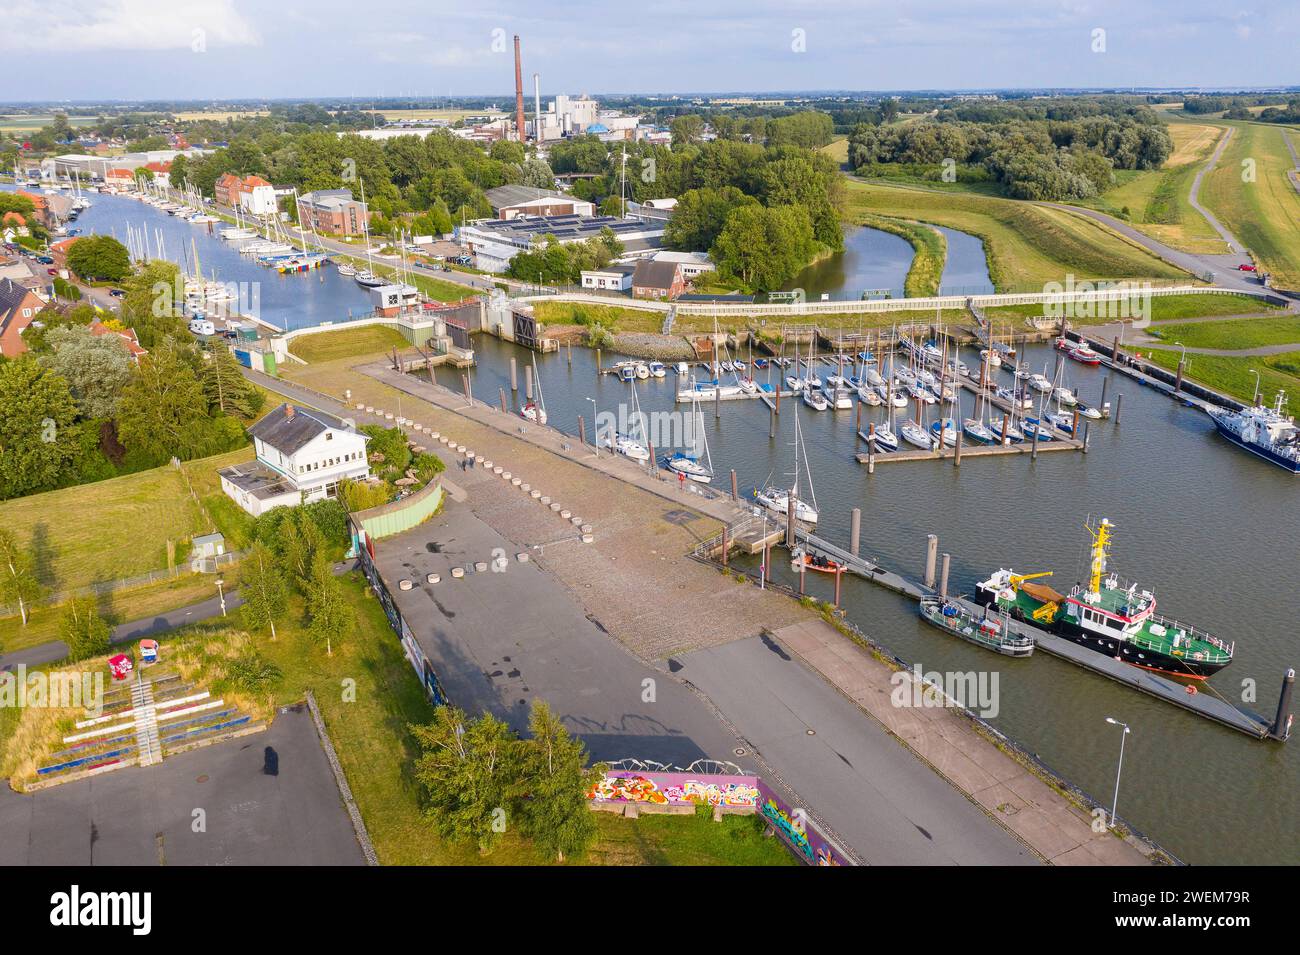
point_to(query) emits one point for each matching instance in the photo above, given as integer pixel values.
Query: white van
(201, 326)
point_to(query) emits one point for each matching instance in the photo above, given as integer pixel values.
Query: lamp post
(1255, 398)
(222, 594)
(1119, 768)
(595, 430)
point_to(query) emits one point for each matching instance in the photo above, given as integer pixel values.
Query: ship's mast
(1100, 541)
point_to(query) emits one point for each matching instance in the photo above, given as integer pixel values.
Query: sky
(228, 49)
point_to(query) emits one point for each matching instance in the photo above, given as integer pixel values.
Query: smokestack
(537, 107)
(519, 93)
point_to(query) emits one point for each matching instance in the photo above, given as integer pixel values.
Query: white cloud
(86, 25)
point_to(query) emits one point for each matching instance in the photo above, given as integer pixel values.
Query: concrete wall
(398, 516)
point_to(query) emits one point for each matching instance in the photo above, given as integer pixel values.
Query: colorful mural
(797, 830)
(676, 789)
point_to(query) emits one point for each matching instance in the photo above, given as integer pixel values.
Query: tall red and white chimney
(519, 93)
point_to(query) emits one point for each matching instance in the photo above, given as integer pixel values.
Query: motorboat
(1065, 396)
(657, 369)
(1040, 383)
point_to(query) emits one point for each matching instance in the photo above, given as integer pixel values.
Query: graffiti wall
(677, 789)
(742, 792)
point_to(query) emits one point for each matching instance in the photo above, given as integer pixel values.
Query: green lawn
(116, 528)
(1264, 213)
(1027, 245)
(1163, 308)
(1233, 335)
(687, 840)
(345, 343)
(614, 317)
(1234, 376)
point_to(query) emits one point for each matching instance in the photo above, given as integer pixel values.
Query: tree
(536, 173)
(328, 612)
(687, 130)
(262, 585)
(38, 442)
(764, 248)
(227, 390)
(84, 631)
(163, 411)
(18, 583)
(96, 368)
(466, 771)
(99, 257)
(552, 785)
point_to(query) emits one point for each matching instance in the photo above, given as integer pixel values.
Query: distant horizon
(131, 51)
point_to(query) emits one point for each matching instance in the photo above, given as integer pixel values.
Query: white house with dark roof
(302, 455)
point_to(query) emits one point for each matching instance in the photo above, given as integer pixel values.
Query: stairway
(146, 722)
(668, 319)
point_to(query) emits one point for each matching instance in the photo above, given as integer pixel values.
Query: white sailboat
(535, 410)
(689, 465)
(633, 444)
(778, 500)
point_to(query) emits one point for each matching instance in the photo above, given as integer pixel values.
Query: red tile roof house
(18, 306)
(161, 171)
(657, 280)
(119, 178)
(227, 189)
(42, 208)
(98, 328)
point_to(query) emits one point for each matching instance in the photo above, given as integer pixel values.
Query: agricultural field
(1028, 245)
(1156, 201)
(219, 115)
(1263, 214)
(24, 122)
(451, 115)
(117, 528)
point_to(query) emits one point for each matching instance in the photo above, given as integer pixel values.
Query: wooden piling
(1033, 445)
(855, 530)
(514, 376)
(956, 451)
(734, 493)
(943, 576)
(1119, 403)
(771, 420)
(931, 555)
(582, 430)
(503, 399)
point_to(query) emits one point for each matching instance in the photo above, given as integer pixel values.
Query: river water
(1209, 529)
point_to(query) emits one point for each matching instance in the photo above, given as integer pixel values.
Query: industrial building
(494, 242)
(510, 202)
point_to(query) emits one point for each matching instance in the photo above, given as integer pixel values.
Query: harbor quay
(639, 593)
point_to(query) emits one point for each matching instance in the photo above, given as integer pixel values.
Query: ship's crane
(1018, 579)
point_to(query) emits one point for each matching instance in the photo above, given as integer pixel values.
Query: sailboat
(535, 411)
(778, 499)
(689, 465)
(975, 427)
(367, 277)
(631, 445)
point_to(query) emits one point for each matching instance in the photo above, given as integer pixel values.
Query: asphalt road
(892, 808)
(57, 650)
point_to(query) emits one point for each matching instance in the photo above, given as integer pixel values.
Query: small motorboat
(794, 384)
(1040, 382)
(747, 386)
(628, 447)
(627, 373)
(992, 633)
(869, 398)
(345, 269)
(1088, 411)
(1065, 396)
(991, 356)
(657, 369)
(823, 565)
(841, 397)
(728, 365)
(682, 368)
(760, 363)
(642, 372)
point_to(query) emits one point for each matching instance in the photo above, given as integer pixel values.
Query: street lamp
(595, 438)
(1119, 768)
(222, 593)
(1255, 398)
(1183, 357)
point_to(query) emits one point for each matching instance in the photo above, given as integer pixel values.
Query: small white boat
(690, 467)
(976, 429)
(814, 399)
(991, 356)
(727, 365)
(657, 369)
(1088, 411)
(345, 269)
(945, 430)
(898, 400)
(682, 368)
(1034, 427)
(913, 433)
(842, 397)
(1065, 396)
(885, 439)
(919, 392)
(873, 377)
(642, 372)
(533, 412)
(794, 384)
(1015, 398)
(747, 386)
(869, 398)
(1040, 383)
(628, 447)
(777, 500)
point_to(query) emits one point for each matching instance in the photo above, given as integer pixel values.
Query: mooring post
(464, 380)
(1114, 356)
(1087, 435)
(717, 396)
(1178, 379)
(570, 354)
(1281, 728)
(1074, 428)
(528, 382)
(725, 542)
(1006, 419)
(763, 572)
(857, 424)
(503, 399)
(943, 576)
(1101, 406)
(789, 521)
(956, 451)
(839, 573)
(803, 572)
(598, 369)
(1119, 403)
(771, 420)
(855, 531)
(653, 462)
(582, 430)
(1033, 445)
(931, 555)
(514, 376)
(734, 493)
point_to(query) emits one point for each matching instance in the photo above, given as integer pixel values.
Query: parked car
(45, 260)
(1245, 267)
(52, 271)
(464, 260)
(117, 292)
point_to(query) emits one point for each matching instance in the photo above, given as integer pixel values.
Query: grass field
(329, 346)
(1265, 213)
(18, 122)
(1027, 245)
(1235, 376)
(1233, 335)
(1156, 201)
(1163, 308)
(838, 149)
(613, 317)
(115, 528)
(219, 115)
(451, 115)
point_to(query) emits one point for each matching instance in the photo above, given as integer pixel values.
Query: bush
(427, 466)
(360, 495)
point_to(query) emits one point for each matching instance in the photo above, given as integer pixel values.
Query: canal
(1210, 530)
